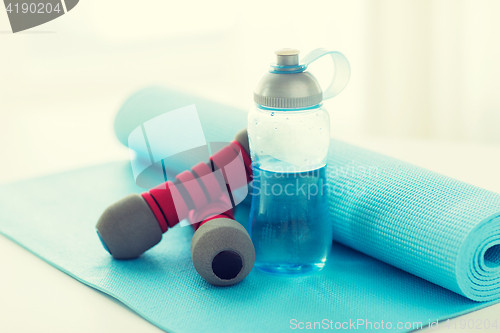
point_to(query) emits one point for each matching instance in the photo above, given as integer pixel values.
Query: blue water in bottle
(290, 222)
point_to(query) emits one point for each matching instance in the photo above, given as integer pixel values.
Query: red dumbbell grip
(196, 189)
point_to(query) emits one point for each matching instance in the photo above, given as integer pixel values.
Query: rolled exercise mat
(435, 227)
(54, 218)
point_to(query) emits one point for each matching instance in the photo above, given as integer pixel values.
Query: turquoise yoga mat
(411, 246)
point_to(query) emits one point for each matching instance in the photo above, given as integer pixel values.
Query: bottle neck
(267, 108)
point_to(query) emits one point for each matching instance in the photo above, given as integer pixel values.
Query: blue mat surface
(410, 244)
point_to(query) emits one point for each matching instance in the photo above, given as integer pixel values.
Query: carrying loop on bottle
(342, 70)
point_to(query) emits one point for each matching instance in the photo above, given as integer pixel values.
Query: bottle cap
(289, 86)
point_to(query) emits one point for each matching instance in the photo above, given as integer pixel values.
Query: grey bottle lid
(287, 85)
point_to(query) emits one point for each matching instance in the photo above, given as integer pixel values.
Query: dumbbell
(221, 249)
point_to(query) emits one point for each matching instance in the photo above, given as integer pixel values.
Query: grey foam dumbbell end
(128, 228)
(242, 138)
(222, 252)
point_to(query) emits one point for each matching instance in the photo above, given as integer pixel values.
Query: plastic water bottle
(289, 134)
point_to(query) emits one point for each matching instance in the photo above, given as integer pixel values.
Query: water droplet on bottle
(276, 128)
(272, 114)
(286, 118)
